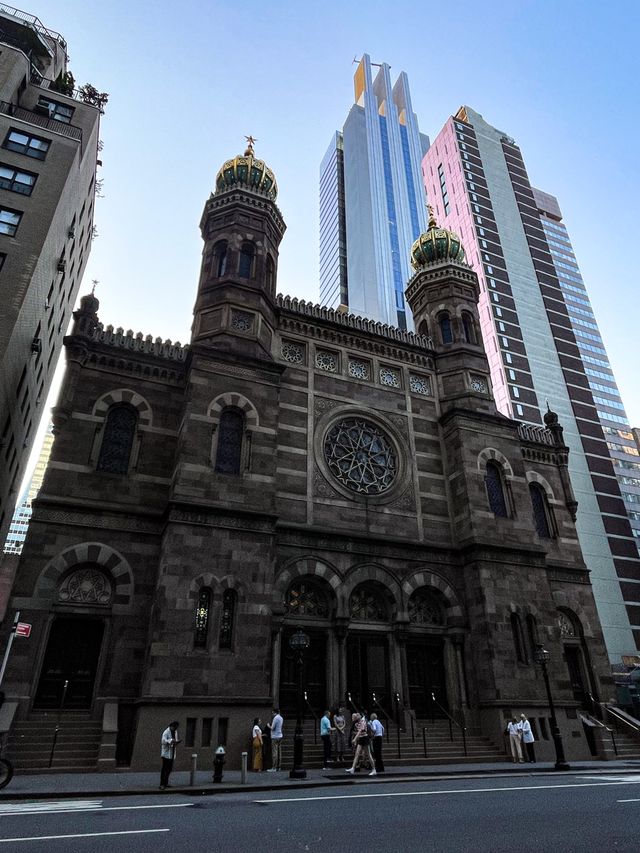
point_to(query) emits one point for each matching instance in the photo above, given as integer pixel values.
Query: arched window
(201, 629)
(245, 264)
(495, 490)
(444, 321)
(368, 603)
(518, 638)
(305, 598)
(230, 434)
(227, 618)
(424, 608)
(468, 327)
(423, 328)
(532, 631)
(271, 273)
(220, 258)
(540, 510)
(117, 440)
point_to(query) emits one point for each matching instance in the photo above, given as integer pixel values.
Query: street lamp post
(299, 643)
(542, 657)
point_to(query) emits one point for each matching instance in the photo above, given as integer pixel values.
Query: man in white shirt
(378, 733)
(168, 752)
(276, 741)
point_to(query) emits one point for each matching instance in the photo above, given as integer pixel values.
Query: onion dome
(247, 171)
(436, 244)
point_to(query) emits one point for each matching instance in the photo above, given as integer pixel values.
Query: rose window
(85, 586)
(358, 369)
(424, 609)
(292, 352)
(420, 385)
(367, 604)
(360, 456)
(305, 599)
(389, 377)
(326, 361)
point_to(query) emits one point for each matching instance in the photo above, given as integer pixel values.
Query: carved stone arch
(490, 454)
(427, 578)
(114, 565)
(534, 477)
(364, 572)
(124, 395)
(298, 567)
(232, 399)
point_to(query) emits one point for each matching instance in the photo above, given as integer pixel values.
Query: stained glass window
(305, 599)
(202, 618)
(567, 628)
(360, 456)
(227, 619)
(495, 491)
(424, 609)
(230, 434)
(367, 604)
(117, 440)
(538, 501)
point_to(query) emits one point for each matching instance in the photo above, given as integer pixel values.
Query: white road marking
(63, 808)
(509, 789)
(50, 806)
(629, 801)
(80, 835)
(630, 777)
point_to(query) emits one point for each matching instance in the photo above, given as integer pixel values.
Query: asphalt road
(521, 813)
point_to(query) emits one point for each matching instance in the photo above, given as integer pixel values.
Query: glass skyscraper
(372, 204)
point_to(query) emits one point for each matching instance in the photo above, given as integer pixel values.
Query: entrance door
(425, 671)
(368, 670)
(72, 655)
(314, 673)
(573, 656)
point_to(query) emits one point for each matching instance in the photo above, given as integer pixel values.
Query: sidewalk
(125, 782)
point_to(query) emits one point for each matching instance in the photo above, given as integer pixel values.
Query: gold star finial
(250, 142)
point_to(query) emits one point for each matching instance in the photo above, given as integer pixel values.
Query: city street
(577, 812)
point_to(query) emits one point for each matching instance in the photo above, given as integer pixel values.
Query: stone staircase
(441, 749)
(77, 745)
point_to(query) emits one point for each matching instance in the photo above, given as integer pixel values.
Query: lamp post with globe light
(298, 643)
(542, 658)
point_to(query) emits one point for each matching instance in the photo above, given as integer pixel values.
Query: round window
(360, 456)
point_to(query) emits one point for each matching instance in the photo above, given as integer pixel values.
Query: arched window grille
(424, 608)
(271, 273)
(445, 328)
(367, 603)
(245, 264)
(227, 619)
(230, 435)
(518, 639)
(495, 490)
(117, 440)
(540, 511)
(304, 598)
(469, 328)
(220, 258)
(203, 610)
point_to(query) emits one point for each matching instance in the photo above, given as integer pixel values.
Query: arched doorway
(426, 673)
(72, 655)
(370, 609)
(580, 676)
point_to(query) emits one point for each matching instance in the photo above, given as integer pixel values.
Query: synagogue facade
(296, 467)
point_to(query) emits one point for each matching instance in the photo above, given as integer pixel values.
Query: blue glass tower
(372, 202)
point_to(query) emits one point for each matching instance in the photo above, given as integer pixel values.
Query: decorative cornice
(121, 340)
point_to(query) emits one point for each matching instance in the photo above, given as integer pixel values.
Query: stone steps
(76, 746)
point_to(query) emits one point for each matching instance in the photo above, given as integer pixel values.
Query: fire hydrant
(218, 763)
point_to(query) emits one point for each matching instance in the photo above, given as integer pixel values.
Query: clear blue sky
(188, 80)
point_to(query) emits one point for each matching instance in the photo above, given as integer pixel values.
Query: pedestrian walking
(325, 734)
(168, 752)
(276, 741)
(515, 740)
(361, 743)
(339, 725)
(528, 738)
(377, 729)
(256, 739)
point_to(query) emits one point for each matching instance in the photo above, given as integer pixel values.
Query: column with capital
(340, 632)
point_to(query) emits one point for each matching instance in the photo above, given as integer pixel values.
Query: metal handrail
(31, 117)
(599, 724)
(633, 727)
(461, 726)
(424, 740)
(386, 715)
(349, 701)
(316, 719)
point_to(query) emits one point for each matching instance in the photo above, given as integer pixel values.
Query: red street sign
(23, 629)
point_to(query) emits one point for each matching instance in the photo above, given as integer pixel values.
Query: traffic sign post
(23, 629)
(12, 635)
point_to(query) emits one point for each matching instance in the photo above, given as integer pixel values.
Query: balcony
(33, 118)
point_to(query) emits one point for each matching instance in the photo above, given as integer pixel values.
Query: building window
(445, 328)
(117, 441)
(540, 511)
(55, 110)
(9, 221)
(367, 603)
(271, 273)
(305, 598)
(227, 619)
(230, 434)
(25, 143)
(201, 629)
(532, 630)
(3, 257)
(469, 328)
(220, 258)
(425, 608)
(495, 490)
(16, 181)
(245, 264)
(518, 638)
